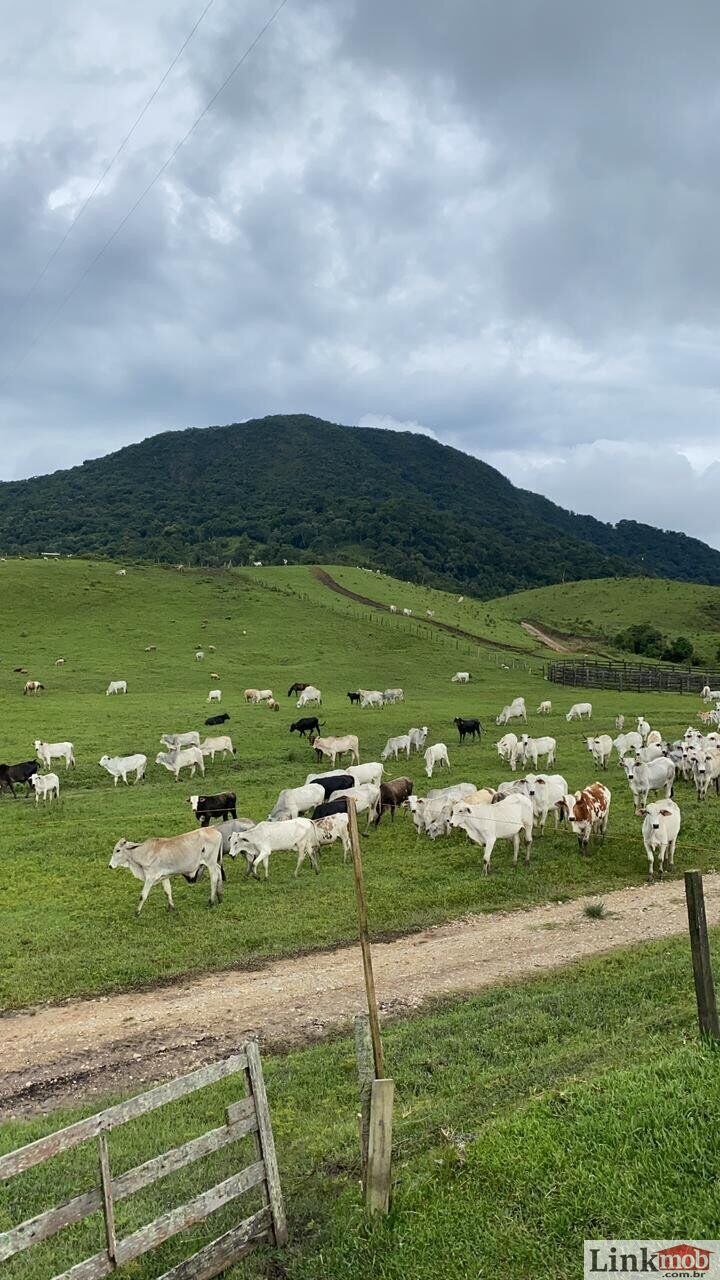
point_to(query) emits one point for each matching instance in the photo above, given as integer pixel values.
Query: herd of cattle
(317, 811)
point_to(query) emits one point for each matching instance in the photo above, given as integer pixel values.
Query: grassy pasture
(526, 1118)
(68, 924)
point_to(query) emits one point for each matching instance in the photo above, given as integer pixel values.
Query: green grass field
(68, 923)
(527, 1118)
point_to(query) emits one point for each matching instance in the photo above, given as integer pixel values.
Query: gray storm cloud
(494, 222)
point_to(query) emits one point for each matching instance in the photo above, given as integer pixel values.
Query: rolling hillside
(304, 490)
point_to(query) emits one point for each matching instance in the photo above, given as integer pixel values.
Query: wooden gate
(250, 1115)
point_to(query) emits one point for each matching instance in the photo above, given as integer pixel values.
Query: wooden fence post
(700, 948)
(366, 1075)
(377, 1196)
(107, 1197)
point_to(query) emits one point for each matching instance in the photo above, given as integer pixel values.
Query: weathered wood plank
(377, 1194)
(126, 1184)
(700, 949)
(64, 1139)
(227, 1249)
(168, 1225)
(107, 1196)
(366, 1075)
(267, 1143)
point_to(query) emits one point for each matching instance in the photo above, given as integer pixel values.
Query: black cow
(308, 724)
(354, 697)
(18, 773)
(471, 728)
(297, 687)
(218, 719)
(330, 807)
(338, 782)
(206, 807)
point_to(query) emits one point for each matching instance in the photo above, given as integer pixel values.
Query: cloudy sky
(495, 222)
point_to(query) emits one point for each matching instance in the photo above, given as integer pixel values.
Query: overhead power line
(146, 190)
(114, 157)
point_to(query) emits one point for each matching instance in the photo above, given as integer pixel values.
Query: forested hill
(298, 488)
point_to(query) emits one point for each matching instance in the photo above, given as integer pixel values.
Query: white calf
(297, 835)
(215, 695)
(188, 758)
(116, 686)
(393, 745)
(660, 829)
(600, 749)
(210, 746)
(578, 710)
(545, 708)
(436, 755)
(120, 766)
(460, 677)
(46, 785)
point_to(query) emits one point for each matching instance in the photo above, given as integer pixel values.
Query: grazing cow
(545, 708)
(334, 826)
(174, 740)
(460, 677)
(507, 819)
(211, 746)
(627, 742)
(508, 749)
(223, 805)
(516, 710)
(430, 613)
(272, 705)
(393, 695)
(331, 782)
(59, 662)
(187, 758)
(544, 790)
(121, 573)
(297, 687)
(620, 723)
(17, 773)
(308, 724)
(150, 648)
(407, 613)
(587, 812)
(394, 745)
(153, 861)
(214, 695)
(116, 686)
(600, 748)
(49, 751)
(46, 785)
(33, 687)
(468, 728)
(530, 748)
(393, 608)
(392, 795)
(309, 695)
(354, 697)
(417, 738)
(333, 747)
(296, 834)
(219, 719)
(436, 755)
(657, 775)
(199, 655)
(296, 800)
(371, 698)
(120, 766)
(660, 829)
(579, 710)
(709, 695)
(358, 772)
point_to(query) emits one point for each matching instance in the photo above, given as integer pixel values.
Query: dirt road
(89, 1048)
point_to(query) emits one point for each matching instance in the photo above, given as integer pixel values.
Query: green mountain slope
(298, 488)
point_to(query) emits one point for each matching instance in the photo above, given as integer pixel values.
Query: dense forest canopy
(301, 489)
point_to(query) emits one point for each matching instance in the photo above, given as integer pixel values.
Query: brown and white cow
(587, 812)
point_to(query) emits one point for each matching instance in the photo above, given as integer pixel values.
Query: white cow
(544, 790)
(506, 820)
(371, 698)
(710, 695)
(365, 795)
(508, 749)
(46, 785)
(393, 745)
(648, 753)
(174, 740)
(515, 710)
(154, 861)
(600, 748)
(393, 608)
(438, 812)
(116, 686)
(120, 766)
(210, 746)
(643, 727)
(706, 773)
(437, 805)
(298, 835)
(296, 800)
(215, 695)
(579, 710)
(185, 758)
(654, 738)
(625, 742)
(660, 830)
(658, 775)
(46, 752)
(333, 747)
(308, 696)
(393, 695)
(436, 755)
(199, 655)
(531, 748)
(417, 738)
(408, 613)
(545, 708)
(460, 677)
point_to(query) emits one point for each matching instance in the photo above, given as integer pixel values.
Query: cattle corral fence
(635, 677)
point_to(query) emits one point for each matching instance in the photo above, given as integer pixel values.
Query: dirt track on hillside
(89, 1048)
(544, 638)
